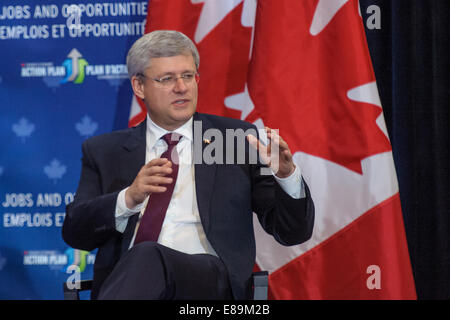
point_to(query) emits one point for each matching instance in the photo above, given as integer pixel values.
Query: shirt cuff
(293, 185)
(123, 212)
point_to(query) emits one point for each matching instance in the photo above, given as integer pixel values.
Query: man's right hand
(150, 179)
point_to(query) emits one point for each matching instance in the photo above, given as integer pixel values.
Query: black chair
(260, 287)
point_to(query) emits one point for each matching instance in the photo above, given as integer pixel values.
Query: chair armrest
(73, 292)
(260, 285)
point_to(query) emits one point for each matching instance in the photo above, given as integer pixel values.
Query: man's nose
(179, 86)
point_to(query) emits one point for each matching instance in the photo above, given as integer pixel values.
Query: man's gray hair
(157, 44)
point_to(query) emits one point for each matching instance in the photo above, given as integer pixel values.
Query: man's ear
(138, 87)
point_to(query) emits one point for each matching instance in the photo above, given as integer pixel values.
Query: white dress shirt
(182, 229)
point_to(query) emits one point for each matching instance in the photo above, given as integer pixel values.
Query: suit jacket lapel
(132, 155)
(131, 161)
(204, 173)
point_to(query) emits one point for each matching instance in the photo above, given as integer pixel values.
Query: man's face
(173, 104)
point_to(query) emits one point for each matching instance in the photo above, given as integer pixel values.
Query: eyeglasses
(169, 81)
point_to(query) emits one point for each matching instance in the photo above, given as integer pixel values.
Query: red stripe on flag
(338, 267)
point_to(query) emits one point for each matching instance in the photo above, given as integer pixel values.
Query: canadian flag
(303, 67)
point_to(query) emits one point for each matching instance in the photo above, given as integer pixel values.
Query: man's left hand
(275, 154)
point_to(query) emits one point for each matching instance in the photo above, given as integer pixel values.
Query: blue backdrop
(62, 79)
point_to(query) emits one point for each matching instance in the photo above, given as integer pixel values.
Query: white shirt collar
(155, 132)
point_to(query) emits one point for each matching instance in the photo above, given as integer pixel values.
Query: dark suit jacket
(227, 195)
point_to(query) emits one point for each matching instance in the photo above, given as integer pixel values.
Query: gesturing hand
(150, 179)
(276, 154)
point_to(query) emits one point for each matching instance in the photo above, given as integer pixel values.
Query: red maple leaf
(299, 82)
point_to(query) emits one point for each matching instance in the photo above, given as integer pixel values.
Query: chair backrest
(260, 287)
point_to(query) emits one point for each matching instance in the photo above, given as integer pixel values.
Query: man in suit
(203, 245)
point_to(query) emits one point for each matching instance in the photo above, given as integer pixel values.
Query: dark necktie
(152, 220)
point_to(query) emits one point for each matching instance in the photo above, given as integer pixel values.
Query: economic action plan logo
(74, 69)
